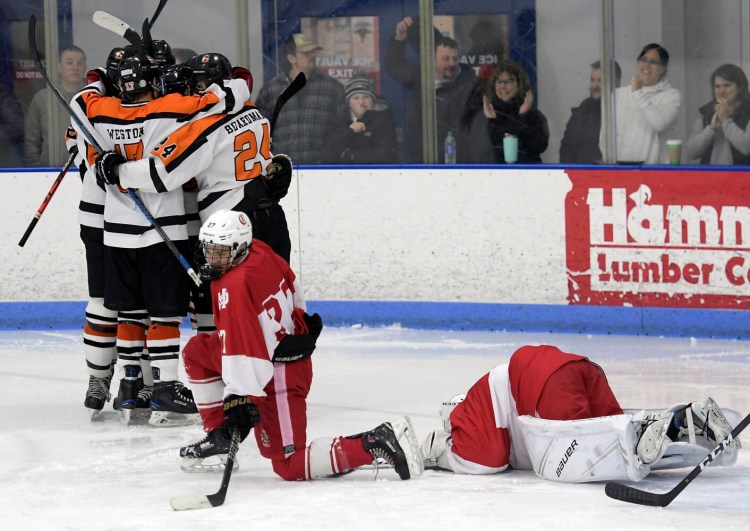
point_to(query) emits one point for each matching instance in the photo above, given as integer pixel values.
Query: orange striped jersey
(223, 152)
(135, 129)
(91, 205)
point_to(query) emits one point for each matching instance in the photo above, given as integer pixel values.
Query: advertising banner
(658, 238)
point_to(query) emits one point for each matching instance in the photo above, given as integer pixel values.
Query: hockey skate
(127, 397)
(705, 419)
(97, 394)
(383, 443)
(209, 454)
(653, 432)
(172, 404)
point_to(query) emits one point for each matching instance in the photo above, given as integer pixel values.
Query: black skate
(127, 396)
(172, 404)
(382, 442)
(209, 454)
(97, 394)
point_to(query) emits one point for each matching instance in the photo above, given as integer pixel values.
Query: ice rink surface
(61, 471)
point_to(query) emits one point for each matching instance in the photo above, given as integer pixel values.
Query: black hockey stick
(293, 88)
(161, 5)
(200, 501)
(90, 137)
(48, 198)
(621, 492)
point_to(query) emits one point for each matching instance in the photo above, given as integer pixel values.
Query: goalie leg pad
(578, 451)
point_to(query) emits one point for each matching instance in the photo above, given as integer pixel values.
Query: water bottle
(450, 148)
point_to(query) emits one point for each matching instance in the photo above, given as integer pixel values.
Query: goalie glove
(279, 176)
(106, 165)
(240, 412)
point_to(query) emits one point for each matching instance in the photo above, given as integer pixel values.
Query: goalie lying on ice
(555, 413)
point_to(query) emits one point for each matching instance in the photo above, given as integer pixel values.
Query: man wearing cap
(307, 119)
(368, 134)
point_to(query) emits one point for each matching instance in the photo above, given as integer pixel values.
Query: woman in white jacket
(646, 110)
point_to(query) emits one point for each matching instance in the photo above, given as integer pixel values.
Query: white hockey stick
(206, 501)
(117, 26)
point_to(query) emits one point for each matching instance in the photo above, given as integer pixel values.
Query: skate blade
(213, 464)
(95, 415)
(169, 419)
(404, 431)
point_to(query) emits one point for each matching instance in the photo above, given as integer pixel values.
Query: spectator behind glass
(303, 127)
(720, 135)
(72, 72)
(11, 129)
(646, 110)
(580, 143)
(453, 83)
(508, 102)
(368, 135)
(181, 55)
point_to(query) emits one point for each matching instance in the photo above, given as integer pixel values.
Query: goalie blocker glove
(106, 167)
(240, 412)
(279, 176)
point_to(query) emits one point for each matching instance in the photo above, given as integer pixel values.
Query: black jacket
(376, 145)
(580, 143)
(741, 117)
(531, 129)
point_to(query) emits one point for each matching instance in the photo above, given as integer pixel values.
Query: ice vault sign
(658, 238)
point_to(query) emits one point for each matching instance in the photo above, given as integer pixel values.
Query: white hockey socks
(99, 338)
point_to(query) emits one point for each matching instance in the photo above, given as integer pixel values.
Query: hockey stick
(90, 137)
(621, 492)
(117, 26)
(48, 198)
(200, 501)
(293, 88)
(161, 5)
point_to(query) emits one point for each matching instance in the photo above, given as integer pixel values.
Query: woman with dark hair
(720, 134)
(646, 110)
(508, 102)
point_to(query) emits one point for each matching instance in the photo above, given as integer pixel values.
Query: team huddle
(178, 175)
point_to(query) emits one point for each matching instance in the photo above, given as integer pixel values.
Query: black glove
(105, 165)
(240, 412)
(279, 176)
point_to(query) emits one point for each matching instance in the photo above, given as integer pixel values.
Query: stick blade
(115, 25)
(618, 491)
(190, 502)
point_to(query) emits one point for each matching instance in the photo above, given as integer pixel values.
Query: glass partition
(517, 81)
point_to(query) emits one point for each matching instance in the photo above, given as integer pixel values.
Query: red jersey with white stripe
(135, 129)
(256, 303)
(223, 152)
(485, 430)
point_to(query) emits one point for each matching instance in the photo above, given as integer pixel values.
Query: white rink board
(420, 234)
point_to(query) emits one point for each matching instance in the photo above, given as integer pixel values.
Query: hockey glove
(100, 74)
(239, 72)
(106, 165)
(279, 176)
(240, 412)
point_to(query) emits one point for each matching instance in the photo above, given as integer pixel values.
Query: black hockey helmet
(174, 79)
(113, 62)
(163, 53)
(208, 68)
(137, 73)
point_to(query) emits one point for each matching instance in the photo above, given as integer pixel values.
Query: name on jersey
(125, 134)
(243, 121)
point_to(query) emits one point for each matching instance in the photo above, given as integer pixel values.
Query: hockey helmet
(137, 73)
(113, 62)
(163, 53)
(447, 408)
(223, 241)
(208, 68)
(174, 79)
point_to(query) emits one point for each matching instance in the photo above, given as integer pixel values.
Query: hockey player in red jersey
(255, 370)
(555, 413)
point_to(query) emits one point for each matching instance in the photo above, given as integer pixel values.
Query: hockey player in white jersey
(143, 281)
(554, 412)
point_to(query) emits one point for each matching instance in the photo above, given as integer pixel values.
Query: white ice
(61, 471)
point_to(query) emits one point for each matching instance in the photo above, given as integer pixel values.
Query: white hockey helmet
(224, 241)
(447, 408)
